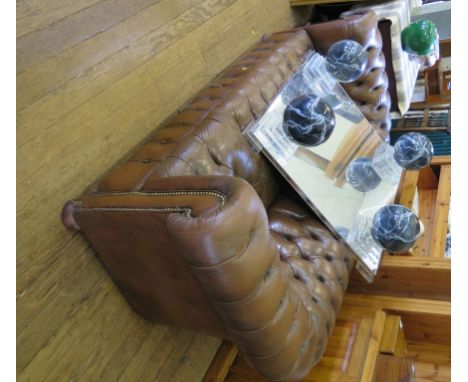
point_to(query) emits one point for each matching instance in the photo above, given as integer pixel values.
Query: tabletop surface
(318, 173)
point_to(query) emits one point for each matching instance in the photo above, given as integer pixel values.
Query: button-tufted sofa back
(206, 137)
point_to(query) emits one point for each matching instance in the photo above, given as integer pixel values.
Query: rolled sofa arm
(215, 229)
(188, 195)
(266, 312)
(129, 232)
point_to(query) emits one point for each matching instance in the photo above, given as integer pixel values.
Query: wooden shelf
(423, 272)
(407, 276)
(434, 204)
(441, 212)
(351, 354)
(369, 330)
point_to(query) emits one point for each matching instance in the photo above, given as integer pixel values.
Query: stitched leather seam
(218, 194)
(185, 210)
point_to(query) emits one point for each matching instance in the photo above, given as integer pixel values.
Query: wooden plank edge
(408, 276)
(406, 188)
(416, 262)
(221, 363)
(374, 347)
(390, 335)
(441, 212)
(441, 159)
(404, 304)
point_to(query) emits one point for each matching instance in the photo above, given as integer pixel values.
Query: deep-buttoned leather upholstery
(198, 232)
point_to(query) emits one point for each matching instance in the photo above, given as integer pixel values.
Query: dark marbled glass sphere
(346, 60)
(361, 175)
(309, 120)
(413, 151)
(396, 228)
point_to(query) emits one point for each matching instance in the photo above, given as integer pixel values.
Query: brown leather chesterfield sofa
(199, 232)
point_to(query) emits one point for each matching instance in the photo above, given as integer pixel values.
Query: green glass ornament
(419, 38)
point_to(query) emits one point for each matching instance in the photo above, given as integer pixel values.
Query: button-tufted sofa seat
(198, 230)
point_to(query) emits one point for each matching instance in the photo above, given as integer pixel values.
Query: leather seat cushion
(317, 261)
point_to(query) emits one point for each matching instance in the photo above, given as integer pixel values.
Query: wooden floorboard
(72, 30)
(34, 15)
(94, 78)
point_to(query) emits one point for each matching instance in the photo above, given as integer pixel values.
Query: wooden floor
(94, 77)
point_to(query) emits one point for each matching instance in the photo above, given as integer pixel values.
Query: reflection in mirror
(336, 177)
(361, 175)
(346, 60)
